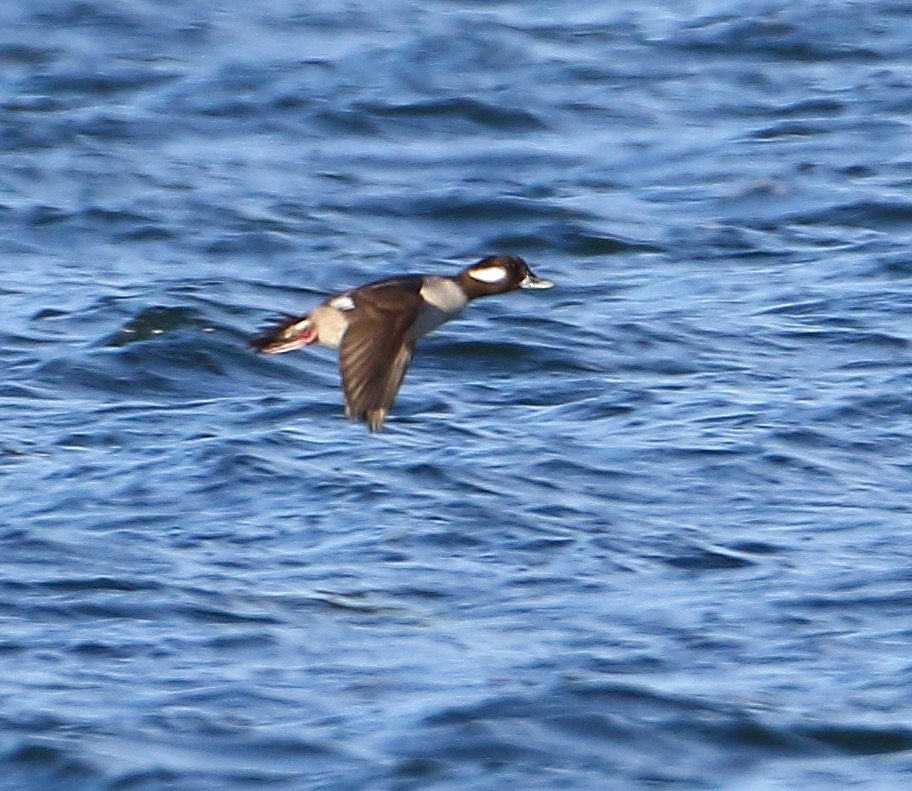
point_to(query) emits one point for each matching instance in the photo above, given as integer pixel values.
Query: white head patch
(343, 302)
(488, 274)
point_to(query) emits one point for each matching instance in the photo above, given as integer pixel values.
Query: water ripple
(646, 528)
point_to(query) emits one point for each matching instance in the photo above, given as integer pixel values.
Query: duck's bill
(285, 337)
(531, 281)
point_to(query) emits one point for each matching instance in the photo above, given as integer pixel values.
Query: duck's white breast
(444, 300)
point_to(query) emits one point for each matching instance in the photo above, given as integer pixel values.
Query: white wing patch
(343, 302)
(488, 274)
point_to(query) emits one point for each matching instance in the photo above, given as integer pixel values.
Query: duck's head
(497, 274)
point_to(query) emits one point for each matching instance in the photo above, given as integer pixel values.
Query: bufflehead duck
(376, 325)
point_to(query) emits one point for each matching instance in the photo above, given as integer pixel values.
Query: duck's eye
(488, 274)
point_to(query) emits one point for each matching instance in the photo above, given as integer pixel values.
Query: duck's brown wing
(375, 354)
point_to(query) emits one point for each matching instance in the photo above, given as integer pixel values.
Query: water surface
(648, 529)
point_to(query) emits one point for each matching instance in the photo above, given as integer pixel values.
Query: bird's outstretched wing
(375, 353)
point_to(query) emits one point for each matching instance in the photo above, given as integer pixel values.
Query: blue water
(649, 529)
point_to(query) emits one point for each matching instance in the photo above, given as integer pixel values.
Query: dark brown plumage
(374, 354)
